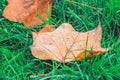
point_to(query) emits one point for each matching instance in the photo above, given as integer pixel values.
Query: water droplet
(61, 39)
(55, 38)
(52, 48)
(68, 44)
(62, 31)
(46, 40)
(76, 47)
(99, 38)
(80, 43)
(93, 33)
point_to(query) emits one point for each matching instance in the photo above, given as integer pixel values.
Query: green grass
(17, 62)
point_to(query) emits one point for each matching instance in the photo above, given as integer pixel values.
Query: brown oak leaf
(65, 44)
(25, 11)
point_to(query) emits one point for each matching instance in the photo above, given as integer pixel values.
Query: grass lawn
(17, 62)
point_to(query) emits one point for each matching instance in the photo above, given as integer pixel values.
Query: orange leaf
(24, 11)
(46, 28)
(65, 44)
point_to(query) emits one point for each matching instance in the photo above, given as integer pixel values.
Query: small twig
(82, 4)
(41, 75)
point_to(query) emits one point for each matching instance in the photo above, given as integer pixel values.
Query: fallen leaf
(46, 28)
(65, 44)
(24, 11)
